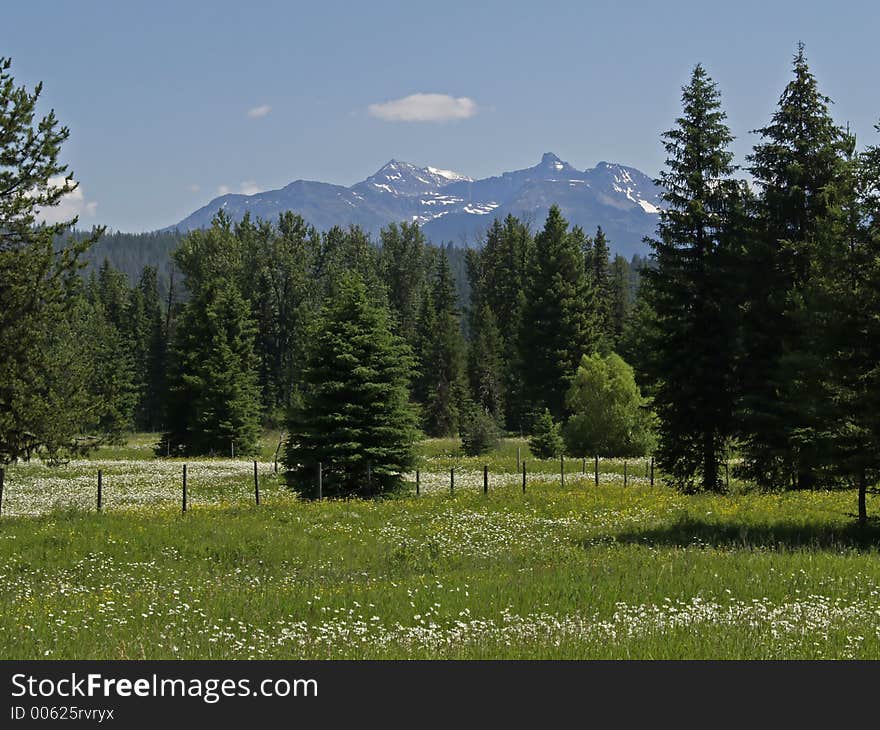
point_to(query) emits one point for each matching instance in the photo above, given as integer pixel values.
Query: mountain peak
(548, 158)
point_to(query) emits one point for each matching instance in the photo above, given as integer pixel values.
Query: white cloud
(194, 188)
(71, 205)
(224, 190)
(250, 187)
(259, 111)
(424, 108)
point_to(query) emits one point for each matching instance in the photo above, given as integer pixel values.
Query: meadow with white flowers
(562, 571)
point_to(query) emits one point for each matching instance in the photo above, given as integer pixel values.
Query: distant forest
(131, 253)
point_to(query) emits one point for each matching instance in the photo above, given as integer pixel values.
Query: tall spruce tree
(558, 325)
(498, 281)
(796, 166)
(844, 295)
(442, 362)
(404, 270)
(600, 276)
(213, 391)
(41, 389)
(691, 350)
(355, 419)
(621, 303)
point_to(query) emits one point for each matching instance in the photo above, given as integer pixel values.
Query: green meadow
(562, 571)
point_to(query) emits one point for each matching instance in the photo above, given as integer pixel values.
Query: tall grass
(559, 572)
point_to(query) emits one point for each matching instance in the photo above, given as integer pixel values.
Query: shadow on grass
(690, 531)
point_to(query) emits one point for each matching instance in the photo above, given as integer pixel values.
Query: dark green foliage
(355, 418)
(442, 386)
(151, 353)
(599, 273)
(609, 416)
(404, 264)
(796, 166)
(42, 400)
(213, 393)
(479, 432)
(558, 324)
(497, 276)
(486, 364)
(546, 441)
(690, 347)
(279, 281)
(621, 298)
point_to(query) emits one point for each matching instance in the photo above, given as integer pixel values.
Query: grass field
(573, 571)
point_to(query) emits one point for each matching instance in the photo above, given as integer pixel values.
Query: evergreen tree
(621, 304)
(113, 378)
(600, 276)
(557, 325)
(442, 363)
(497, 280)
(213, 391)
(155, 353)
(796, 166)
(691, 353)
(355, 419)
(546, 441)
(844, 299)
(403, 264)
(485, 365)
(283, 292)
(41, 388)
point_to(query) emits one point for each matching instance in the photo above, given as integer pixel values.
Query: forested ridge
(749, 333)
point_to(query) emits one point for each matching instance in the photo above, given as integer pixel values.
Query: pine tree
(557, 326)
(621, 303)
(156, 353)
(485, 365)
(845, 306)
(41, 387)
(546, 441)
(691, 353)
(796, 166)
(404, 269)
(442, 363)
(600, 277)
(355, 419)
(497, 281)
(213, 394)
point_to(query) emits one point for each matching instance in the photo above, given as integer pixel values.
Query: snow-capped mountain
(453, 207)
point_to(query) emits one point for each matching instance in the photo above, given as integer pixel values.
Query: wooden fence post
(256, 484)
(596, 470)
(524, 477)
(562, 470)
(652, 471)
(232, 444)
(584, 465)
(452, 480)
(184, 488)
(320, 481)
(2, 477)
(517, 458)
(485, 479)
(417, 482)
(624, 472)
(99, 490)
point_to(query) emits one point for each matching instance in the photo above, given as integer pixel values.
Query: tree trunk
(863, 488)
(710, 464)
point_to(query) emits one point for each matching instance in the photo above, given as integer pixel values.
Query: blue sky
(170, 103)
